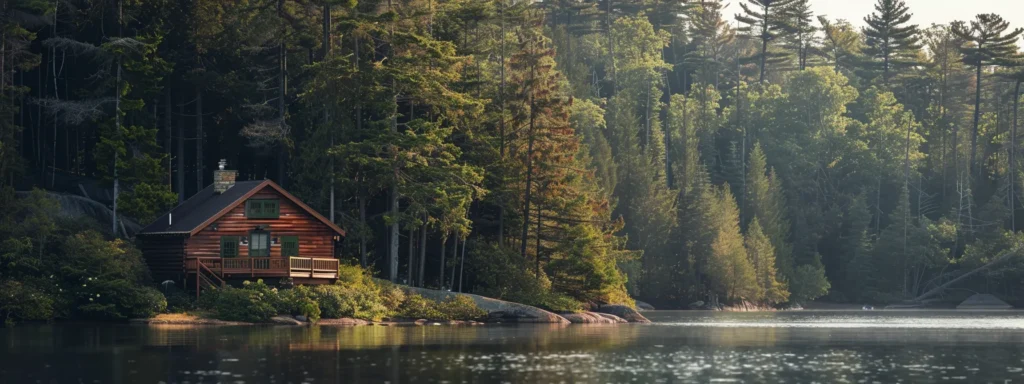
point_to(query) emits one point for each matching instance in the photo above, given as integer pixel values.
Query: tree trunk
(462, 264)
(455, 259)
(539, 218)
(170, 139)
(327, 45)
(1013, 159)
(117, 122)
(977, 119)
(423, 252)
(362, 225)
(282, 93)
(393, 251)
(180, 159)
(764, 45)
(529, 183)
(412, 256)
(200, 137)
(440, 277)
(501, 122)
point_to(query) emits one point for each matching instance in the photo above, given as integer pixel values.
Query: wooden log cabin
(234, 231)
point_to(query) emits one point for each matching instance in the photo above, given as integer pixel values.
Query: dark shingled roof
(193, 212)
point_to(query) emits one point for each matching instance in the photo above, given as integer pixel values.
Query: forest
(547, 152)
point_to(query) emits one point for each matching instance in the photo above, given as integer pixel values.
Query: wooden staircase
(207, 279)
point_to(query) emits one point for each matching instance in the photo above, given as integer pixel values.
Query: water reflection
(690, 346)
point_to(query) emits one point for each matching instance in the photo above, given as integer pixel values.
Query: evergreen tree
(730, 272)
(802, 39)
(762, 255)
(892, 42)
(766, 21)
(989, 43)
(842, 44)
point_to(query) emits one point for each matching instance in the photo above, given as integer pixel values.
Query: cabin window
(229, 246)
(259, 244)
(262, 209)
(289, 246)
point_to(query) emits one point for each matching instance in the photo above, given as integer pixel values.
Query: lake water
(797, 347)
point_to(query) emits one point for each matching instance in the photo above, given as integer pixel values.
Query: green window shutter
(273, 211)
(262, 209)
(289, 246)
(229, 246)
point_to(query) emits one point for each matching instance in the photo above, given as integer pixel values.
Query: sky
(926, 12)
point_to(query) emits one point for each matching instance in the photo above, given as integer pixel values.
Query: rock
(611, 317)
(983, 301)
(627, 313)
(592, 318)
(285, 320)
(301, 318)
(642, 306)
(697, 305)
(343, 322)
(497, 310)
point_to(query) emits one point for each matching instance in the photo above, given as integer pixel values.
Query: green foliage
(20, 302)
(254, 302)
(808, 283)
(455, 307)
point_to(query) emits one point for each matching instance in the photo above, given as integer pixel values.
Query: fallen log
(1003, 257)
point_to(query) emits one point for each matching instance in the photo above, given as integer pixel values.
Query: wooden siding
(315, 238)
(164, 254)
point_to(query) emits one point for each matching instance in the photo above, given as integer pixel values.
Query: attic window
(262, 209)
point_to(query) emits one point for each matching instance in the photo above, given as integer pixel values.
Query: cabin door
(259, 244)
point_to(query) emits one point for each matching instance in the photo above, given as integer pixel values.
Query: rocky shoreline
(498, 312)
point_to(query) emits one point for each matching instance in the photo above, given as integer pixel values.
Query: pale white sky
(925, 12)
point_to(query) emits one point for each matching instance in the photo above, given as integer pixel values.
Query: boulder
(343, 322)
(285, 320)
(983, 301)
(642, 306)
(627, 313)
(301, 318)
(497, 310)
(583, 318)
(611, 317)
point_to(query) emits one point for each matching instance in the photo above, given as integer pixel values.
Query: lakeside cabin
(234, 231)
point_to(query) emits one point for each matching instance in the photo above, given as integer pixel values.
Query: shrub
(298, 301)
(20, 302)
(336, 301)
(561, 304)
(460, 307)
(254, 302)
(391, 296)
(419, 307)
(456, 307)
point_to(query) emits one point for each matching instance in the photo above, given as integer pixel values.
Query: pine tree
(766, 21)
(842, 44)
(731, 274)
(712, 36)
(892, 43)
(989, 44)
(764, 201)
(859, 280)
(761, 254)
(802, 39)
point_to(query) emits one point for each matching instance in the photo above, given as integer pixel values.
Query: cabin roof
(205, 207)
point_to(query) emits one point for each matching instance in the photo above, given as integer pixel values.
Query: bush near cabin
(51, 268)
(355, 295)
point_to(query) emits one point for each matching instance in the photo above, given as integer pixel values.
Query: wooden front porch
(256, 267)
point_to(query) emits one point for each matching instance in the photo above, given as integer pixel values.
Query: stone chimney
(223, 179)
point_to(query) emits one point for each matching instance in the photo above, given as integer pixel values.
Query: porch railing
(313, 267)
(266, 266)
